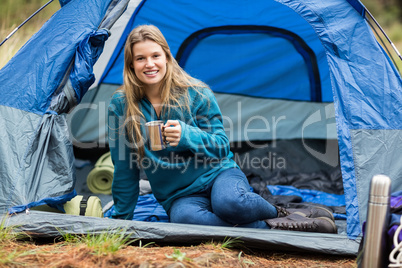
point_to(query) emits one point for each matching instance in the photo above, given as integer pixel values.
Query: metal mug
(155, 135)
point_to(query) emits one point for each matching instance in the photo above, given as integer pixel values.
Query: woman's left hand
(172, 132)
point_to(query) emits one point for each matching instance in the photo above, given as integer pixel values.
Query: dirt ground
(61, 254)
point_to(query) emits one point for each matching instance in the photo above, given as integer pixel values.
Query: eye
(139, 58)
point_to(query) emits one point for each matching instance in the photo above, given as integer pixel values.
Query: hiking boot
(310, 212)
(296, 222)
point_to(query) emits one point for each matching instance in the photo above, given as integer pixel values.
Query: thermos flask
(374, 252)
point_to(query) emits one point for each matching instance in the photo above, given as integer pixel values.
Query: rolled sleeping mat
(99, 180)
(85, 206)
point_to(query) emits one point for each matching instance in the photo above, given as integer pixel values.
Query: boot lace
(282, 212)
(298, 226)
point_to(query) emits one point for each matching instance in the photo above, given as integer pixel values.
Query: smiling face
(149, 64)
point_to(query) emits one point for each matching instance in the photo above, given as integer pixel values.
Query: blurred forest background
(13, 12)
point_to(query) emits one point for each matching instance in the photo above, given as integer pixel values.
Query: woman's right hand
(172, 132)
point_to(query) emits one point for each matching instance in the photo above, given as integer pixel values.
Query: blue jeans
(226, 201)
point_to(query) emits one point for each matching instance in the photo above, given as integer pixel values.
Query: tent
(281, 70)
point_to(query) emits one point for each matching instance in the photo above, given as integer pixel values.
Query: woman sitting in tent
(194, 178)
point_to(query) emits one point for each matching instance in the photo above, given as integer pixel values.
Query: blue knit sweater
(202, 153)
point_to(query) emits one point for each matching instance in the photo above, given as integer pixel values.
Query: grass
(9, 234)
(177, 255)
(242, 260)
(106, 242)
(6, 233)
(9, 239)
(230, 242)
(227, 243)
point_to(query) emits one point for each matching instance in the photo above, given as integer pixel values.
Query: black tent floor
(40, 224)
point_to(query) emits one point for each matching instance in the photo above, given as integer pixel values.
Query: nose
(149, 63)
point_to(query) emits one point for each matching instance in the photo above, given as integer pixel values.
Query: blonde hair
(173, 89)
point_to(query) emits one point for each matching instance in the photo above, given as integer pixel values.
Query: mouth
(151, 72)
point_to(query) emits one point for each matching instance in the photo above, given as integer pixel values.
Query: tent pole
(383, 32)
(30, 17)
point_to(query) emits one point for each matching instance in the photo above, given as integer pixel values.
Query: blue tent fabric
(32, 82)
(266, 43)
(350, 89)
(147, 209)
(237, 12)
(63, 2)
(308, 195)
(54, 202)
(88, 51)
(357, 5)
(42, 62)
